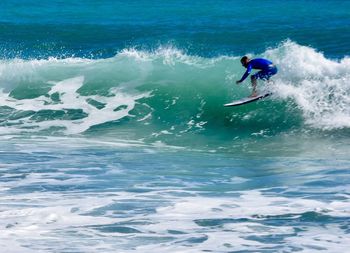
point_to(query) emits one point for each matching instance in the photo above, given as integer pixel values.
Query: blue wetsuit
(267, 69)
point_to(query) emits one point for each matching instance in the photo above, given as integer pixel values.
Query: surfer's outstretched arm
(246, 74)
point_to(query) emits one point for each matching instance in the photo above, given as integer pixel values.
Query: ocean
(114, 137)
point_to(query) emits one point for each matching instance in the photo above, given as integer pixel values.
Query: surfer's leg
(262, 75)
(271, 72)
(254, 83)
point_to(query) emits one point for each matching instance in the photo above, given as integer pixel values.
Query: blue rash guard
(267, 68)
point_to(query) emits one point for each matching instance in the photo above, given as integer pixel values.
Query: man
(267, 69)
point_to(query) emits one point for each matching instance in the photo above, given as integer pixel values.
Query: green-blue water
(114, 137)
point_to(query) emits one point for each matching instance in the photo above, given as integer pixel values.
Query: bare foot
(253, 95)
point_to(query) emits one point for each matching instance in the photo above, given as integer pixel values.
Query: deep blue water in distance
(207, 28)
(114, 138)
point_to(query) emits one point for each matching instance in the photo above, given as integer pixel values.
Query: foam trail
(71, 100)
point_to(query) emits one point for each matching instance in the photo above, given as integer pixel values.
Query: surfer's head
(245, 60)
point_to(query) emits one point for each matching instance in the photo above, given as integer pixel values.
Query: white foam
(234, 235)
(30, 217)
(70, 100)
(319, 86)
(328, 238)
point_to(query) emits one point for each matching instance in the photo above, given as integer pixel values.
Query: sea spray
(317, 85)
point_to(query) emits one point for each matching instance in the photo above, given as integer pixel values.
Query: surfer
(267, 69)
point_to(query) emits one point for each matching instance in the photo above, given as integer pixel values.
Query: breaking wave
(167, 92)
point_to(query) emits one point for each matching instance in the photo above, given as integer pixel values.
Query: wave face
(167, 94)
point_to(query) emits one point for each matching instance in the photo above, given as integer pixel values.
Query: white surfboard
(248, 99)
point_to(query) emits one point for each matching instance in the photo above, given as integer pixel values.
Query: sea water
(114, 137)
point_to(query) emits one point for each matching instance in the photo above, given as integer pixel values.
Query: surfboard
(247, 100)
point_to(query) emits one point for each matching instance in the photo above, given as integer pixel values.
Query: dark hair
(244, 58)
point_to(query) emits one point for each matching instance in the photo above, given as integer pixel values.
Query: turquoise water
(114, 137)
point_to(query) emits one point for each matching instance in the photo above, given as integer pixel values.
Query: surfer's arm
(246, 74)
